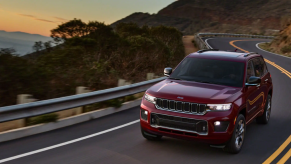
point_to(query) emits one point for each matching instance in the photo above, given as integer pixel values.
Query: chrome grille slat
(180, 106)
(172, 105)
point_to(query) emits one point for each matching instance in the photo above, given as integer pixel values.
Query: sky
(40, 16)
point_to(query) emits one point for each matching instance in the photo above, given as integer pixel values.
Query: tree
(38, 46)
(4, 51)
(130, 29)
(93, 54)
(48, 46)
(70, 29)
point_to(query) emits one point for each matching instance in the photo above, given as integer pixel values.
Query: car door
(256, 94)
(265, 76)
(253, 93)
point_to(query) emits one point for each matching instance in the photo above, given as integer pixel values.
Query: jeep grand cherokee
(211, 96)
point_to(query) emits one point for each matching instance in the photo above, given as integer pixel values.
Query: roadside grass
(266, 46)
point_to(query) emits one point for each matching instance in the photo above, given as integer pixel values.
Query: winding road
(117, 139)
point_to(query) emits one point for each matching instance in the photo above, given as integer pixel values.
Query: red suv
(211, 96)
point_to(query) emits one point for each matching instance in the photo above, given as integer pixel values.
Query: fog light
(220, 126)
(217, 123)
(144, 114)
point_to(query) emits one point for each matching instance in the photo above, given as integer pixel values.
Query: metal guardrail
(21, 111)
(202, 45)
(15, 112)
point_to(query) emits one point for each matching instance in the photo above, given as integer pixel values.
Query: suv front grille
(182, 107)
(179, 123)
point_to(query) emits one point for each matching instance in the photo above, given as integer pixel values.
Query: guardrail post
(25, 98)
(121, 82)
(150, 76)
(21, 99)
(80, 90)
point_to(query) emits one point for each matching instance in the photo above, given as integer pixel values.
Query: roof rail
(201, 51)
(250, 53)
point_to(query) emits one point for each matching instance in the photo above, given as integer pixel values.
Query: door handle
(266, 80)
(258, 85)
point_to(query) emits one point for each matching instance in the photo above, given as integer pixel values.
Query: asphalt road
(126, 145)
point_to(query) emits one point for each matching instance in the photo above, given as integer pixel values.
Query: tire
(235, 144)
(264, 119)
(149, 136)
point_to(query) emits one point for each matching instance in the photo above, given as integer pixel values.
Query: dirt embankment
(189, 45)
(282, 43)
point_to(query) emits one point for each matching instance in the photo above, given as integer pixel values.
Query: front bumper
(182, 131)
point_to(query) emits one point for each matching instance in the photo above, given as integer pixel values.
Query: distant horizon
(38, 17)
(24, 32)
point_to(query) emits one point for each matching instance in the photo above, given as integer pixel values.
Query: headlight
(151, 99)
(220, 107)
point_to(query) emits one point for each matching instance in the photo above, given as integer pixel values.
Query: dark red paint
(210, 94)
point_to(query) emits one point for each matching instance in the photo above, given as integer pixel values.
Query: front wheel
(264, 119)
(236, 142)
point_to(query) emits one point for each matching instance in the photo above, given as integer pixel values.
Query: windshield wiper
(175, 78)
(208, 82)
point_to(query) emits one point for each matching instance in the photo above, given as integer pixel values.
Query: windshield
(210, 71)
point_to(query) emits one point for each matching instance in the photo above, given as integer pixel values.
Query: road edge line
(32, 130)
(257, 45)
(207, 42)
(67, 143)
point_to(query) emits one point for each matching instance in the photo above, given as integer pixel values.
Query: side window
(258, 67)
(250, 71)
(265, 70)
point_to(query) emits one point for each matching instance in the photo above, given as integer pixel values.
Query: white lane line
(66, 143)
(206, 41)
(257, 45)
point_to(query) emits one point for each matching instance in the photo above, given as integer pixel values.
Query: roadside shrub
(117, 103)
(46, 118)
(286, 49)
(285, 37)
(129, 98)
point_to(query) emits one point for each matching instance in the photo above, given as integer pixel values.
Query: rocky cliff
(189, 16)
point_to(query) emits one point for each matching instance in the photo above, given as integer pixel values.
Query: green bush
(286, 49)
(117, 103)
(128, 98)
(46, 118)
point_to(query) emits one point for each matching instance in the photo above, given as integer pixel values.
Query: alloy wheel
(239, 134)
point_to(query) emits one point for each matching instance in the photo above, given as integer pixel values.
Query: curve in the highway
(126, 145)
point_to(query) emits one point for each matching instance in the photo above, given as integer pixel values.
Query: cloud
(25, 15)
(36, 18)
(45, 20)
(60, 19)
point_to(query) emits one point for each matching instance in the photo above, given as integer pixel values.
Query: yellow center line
(285, 158)
(288, 141)
(278, 151)
(278, 67)
(231, 43)
(268, 61)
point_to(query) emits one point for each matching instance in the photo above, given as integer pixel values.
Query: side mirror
(254, 81)
(167, 71)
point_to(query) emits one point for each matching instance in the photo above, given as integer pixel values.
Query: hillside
(89, 54)
(252, 16)
(282, 43)
(20, 41)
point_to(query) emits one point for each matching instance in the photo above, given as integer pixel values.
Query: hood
(193, 92)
